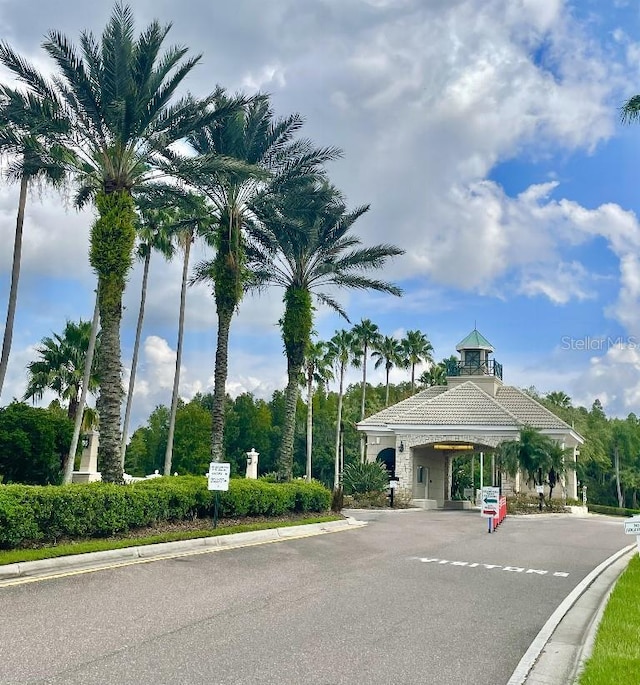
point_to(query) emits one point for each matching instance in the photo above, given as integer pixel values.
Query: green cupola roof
(474, 341)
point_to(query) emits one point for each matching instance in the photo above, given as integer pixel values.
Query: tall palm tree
(388, 351)
(60, 366)
(309, 245)
(417, 349)
(118, 96)
(29, 131)
(367, 335)
(194, 217)
(153, 234)
(317, 370)
(342, 349)
(271, 158)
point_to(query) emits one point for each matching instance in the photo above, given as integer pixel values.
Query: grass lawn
(616, 653)
(99, 545)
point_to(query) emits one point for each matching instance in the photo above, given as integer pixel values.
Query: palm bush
(359, 478)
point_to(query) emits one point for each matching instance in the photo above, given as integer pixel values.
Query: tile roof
(467, 404)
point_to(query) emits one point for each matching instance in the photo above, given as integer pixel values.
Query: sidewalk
(560, 649)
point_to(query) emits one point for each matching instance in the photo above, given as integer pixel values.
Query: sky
(485, 135)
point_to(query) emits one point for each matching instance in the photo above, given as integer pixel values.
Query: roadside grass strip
(490, 567)
(616, 652)
(13, 556)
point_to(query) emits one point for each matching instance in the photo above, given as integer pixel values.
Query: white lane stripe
(531, 655)
(489, 567)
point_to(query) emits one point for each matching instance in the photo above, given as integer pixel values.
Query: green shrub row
(612, 511)
(47, 513)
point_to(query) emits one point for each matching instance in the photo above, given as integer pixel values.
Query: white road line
(489, 567)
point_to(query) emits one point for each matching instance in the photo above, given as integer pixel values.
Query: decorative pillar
(252, 464)
(88, 471)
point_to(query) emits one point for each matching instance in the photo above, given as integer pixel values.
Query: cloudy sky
(485, 134)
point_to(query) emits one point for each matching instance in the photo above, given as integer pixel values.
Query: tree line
(162, 170)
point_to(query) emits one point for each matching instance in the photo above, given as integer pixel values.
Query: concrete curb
(94, 561)
(523, 670)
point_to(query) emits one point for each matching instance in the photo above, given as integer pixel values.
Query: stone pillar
(404, 464)
(88, 471)
(252, 464)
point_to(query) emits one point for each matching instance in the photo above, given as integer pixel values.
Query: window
(420, 474)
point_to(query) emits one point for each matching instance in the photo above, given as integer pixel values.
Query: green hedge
(48, 513)
(612, 511)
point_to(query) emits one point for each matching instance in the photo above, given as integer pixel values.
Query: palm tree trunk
(219, 382)
(309, 425)
(336, 475)
(134, 360)
(413, 377)
(285, 457)
(616, 456)
(77, 426)
(362, 400)
(112, 240)
(168, 455)
(386, 395)
(15, 277)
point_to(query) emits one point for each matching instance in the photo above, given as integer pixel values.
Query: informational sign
(632, 526)
(540, 489)
(490, 502)
(218, 475)
(393, 484)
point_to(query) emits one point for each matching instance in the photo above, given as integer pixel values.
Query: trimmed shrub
(612, 511)
(31, 514)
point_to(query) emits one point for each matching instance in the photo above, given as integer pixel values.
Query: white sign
(218, 475)
(468, 493)
(393, 484)
(490, 502)
(540, 489)
(632, 526)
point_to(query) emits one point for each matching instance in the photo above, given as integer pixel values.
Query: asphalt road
(414, 597)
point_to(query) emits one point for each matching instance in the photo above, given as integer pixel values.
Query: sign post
(632, 527)
(218, 479)
(490, 504)
(393, 484)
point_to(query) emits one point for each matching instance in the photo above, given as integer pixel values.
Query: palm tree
(367, 334)
(153, 234)
(416, 349)
(60, 366)
(559, 399)
(271, 159)
(388, 351)
(342, 349)
(317, 369)
(194, 217)
(436, 374)
(308, 235)
(29, 130)
(536, 455)
(117, 95)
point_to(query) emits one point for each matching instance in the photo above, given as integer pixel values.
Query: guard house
(418, 438)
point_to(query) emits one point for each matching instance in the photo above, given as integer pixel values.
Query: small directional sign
(218, 475)
(632, 526)
(490, 504)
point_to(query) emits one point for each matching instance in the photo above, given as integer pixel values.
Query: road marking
(490, 567)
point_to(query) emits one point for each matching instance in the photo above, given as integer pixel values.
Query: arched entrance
(388, 457)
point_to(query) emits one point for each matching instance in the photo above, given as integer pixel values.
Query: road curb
(93, 561)
(528, 661)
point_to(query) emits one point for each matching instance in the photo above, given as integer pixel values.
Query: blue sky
(484, 133)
